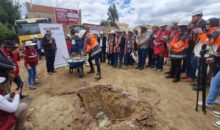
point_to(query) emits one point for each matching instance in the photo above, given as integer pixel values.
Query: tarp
(58, 35)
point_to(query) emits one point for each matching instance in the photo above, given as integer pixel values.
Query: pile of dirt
(99, 107)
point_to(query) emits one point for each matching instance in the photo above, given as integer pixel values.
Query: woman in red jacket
(30, 62)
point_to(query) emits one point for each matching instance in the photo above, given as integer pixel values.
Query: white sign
(58, 35)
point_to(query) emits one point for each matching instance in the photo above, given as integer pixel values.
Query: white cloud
(139, 11)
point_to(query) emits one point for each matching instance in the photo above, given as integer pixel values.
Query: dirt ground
(54, 105)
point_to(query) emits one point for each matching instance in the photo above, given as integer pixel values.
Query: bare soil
(124, 99)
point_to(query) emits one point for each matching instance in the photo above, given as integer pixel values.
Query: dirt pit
(100, 107)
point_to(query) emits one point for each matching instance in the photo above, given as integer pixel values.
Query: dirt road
(173, 104)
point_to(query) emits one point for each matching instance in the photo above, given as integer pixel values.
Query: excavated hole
(109, 105)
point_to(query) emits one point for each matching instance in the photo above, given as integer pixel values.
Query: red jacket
(30, 57)
(160, 48)
(68, 44)
(14, 57)
(7, 120)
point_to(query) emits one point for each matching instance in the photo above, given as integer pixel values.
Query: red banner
(67, 16)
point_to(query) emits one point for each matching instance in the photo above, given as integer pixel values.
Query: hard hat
(197, 12)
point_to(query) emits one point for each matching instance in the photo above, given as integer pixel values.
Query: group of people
(154, 44)
(179, 43)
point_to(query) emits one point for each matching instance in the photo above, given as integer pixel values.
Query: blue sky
(139, 11)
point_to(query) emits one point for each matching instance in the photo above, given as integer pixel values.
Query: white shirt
(101, 42)
(7, 106)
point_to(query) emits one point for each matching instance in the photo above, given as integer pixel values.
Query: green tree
(113, 16)
(9, 12)
(104, 23)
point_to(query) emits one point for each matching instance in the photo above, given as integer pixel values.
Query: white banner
(58, 34)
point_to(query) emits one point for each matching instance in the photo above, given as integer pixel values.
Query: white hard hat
(197, 12)
(101, 32)
(29, 43)
(2, 79)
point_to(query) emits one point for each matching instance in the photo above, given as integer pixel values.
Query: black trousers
(175, 69)
(50, 59)
(19, 83)
(97, 62)
(103, 54)
(151, 59)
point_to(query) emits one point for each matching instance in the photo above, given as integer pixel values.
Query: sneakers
(207, 105)
(32, 88)
(217, 124)
(98, 76)
(36, 82)
(216, 114)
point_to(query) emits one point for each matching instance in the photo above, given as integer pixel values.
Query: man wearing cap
(30, 62)
(9, 51)
(199, 29)
(49, 46)
(142, 47)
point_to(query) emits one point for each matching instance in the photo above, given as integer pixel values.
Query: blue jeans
(32, 72)
(50, 59)
(214, 89)
(191, 71)
(128, 59)
(116, 59)
(159, 62)
(142, 55)
(121, 56)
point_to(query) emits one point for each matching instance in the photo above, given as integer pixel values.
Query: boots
(91, 71)
(98, 76)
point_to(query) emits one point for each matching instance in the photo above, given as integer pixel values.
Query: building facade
(41, 11)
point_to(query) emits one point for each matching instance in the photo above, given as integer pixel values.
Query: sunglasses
(207, 23)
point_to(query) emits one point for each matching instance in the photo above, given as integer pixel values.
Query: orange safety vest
(177, 44)
(203, 37)
(90, 43)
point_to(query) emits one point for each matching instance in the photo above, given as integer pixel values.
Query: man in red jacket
(9, 51)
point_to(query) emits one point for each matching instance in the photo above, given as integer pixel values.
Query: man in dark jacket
(49, 46)
(199, 29)
(102, 42)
